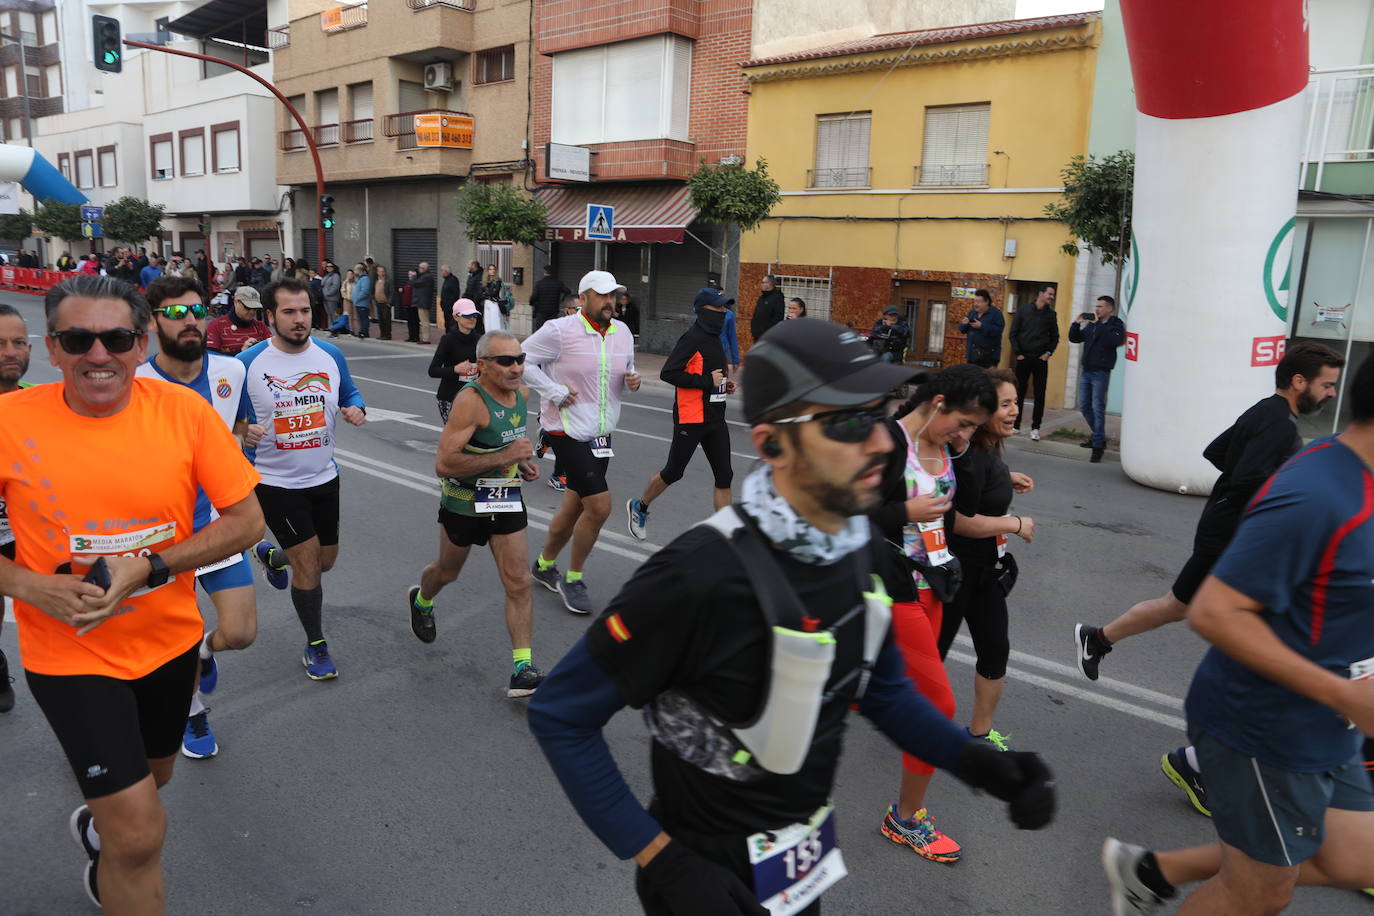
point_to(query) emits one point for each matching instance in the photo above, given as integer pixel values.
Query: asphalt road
(411, 786)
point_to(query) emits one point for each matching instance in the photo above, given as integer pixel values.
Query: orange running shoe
(920, 833)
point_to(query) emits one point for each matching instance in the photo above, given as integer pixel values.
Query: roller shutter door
(310, 251)
(411, 246)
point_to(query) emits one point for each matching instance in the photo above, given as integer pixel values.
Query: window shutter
(842, 150)
(956, 145)
(193, 155)
(107, 169)
(162, 159)
(681, 82)
(634, 90)
(227, 149)
(362, 101)
(577, 95)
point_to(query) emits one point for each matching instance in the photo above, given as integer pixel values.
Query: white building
(195, 137)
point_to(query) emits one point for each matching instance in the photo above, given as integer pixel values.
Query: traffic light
(327, 211)
(109, 50)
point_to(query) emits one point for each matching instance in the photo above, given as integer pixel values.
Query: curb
(1069, 450)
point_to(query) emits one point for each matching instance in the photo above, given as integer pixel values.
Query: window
(359, 127)
(842, 150)
(956, 146)
(225, 149)
(33, 82)
(193, 152)
(495, 65)
(28, 28)
(15, 130)
(327, 116)
(11, 82)
(85, 170)
(631, 90)
(161, 151)
(54, 80)
(105, 162)
(64, 163)
(814, 291)
(49, 28)
(498, 253)
(935, 339)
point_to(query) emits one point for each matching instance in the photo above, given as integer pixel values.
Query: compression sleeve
(566, 716)
(892, 704)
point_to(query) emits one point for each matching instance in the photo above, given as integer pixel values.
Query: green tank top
(504, 426)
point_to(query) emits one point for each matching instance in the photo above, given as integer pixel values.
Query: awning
(646, 213)
(231, 20)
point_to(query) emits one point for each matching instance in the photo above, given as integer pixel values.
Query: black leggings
(714, 439)
(980, 602)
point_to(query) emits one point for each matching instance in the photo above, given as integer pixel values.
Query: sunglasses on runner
(178, 312)
(507, 360)
(79, 340)
(852, 424)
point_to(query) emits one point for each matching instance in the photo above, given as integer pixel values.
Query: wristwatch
(159, 574)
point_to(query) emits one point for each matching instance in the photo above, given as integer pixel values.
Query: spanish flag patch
(616, 627)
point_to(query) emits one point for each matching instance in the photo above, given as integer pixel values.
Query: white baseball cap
(600, 280)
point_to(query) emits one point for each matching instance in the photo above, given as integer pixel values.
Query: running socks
(1190, 753)
(309, 604)
(426, 605)
(1100, 637)
(197, 705)
(545, 564)
(520, 659)
(572, 576)
(1147, 870)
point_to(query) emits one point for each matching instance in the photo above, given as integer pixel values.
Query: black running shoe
(6, 691)
(79, 822)
(1088, 648)
(421, 623)
(1175, 766)
(524, 682)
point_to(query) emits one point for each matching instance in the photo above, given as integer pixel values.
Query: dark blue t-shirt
(1304, 550)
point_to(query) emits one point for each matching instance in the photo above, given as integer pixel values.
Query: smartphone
(1086, 316)
(99, 574)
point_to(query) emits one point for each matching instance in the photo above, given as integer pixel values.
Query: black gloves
(691, 885)
(1018, 777)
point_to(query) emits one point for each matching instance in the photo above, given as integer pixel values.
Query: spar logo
(1278, 264)
(301, 381)
(1267, 351)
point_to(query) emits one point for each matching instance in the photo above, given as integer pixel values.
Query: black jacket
(422, 295)
(1034, 331)
(547, 296)
(472, 289)
(697, 353)
(450, 292)
(1100, 340)
(454, 347)
(770, 309)
(1247, 454)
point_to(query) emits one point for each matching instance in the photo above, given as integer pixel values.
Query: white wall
(253, 187)
(1339, 29)
(789, 26)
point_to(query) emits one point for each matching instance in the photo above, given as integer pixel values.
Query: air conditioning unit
(439, 76)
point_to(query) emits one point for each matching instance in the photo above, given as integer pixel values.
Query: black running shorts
(296, 516)
(110, 728)
(1190, 578)
(585, 472)
(476, 530)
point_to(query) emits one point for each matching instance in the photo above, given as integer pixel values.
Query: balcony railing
(961, 175)
(359, 131)
(279, 38)
(343, 18)
(1340, 118)
(292, 139)
(451, 4)
(402, 125)
(326, 134)
(839, 178)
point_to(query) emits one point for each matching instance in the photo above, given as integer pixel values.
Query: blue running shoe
(209, 675)
(558, 483)
(549, 578)
(199, 742)
(318, 665)
(277, 578)
(638, 515)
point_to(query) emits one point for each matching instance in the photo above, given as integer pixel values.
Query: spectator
(259, 276)
(203, 269)
(769, 309)
(142, 260)
(240, 327)
(66, 261)
(145, 276)
(1100, 335)
(422, 298)
(450, 291)
(382, 296)
(1034, 335)
(473, 288)
(331, 289)
(346, 295)
(628, 312)
(890, 335)
(406, 295)
(983, 330)
(362, 300)
(548, 292)
(795, 308)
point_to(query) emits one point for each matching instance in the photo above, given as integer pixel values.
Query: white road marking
(382, 415)
(9, 609)
(354, 359)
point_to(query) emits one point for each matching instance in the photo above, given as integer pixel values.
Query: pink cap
(464, 307)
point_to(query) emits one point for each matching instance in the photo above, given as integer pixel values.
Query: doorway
(924, 307)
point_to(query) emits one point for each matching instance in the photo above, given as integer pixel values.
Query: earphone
(771, 448)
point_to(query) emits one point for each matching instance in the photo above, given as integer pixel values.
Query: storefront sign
(331, 19)
(444, 130)
(963, 292)
(567, 163)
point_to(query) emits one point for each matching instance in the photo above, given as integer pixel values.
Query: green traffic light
(111, 57)
(329, 224)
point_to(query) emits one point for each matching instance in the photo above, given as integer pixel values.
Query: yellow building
(915, 168)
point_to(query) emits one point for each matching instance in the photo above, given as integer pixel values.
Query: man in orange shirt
(113, 667)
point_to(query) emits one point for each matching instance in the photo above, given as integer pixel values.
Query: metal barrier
(30, 279)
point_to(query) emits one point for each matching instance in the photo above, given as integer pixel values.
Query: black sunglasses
(507, 360)
(178, 312)
(79, 340)
(851, 424)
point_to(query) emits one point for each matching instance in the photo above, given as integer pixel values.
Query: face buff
(788, 531)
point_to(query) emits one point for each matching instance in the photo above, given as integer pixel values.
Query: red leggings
(916, 630)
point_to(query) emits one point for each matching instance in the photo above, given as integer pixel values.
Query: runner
(1277, 707)
(112, 667)
(579, 365)
(557, 479)
(14, 363)
(300, 385)
(1247, 454)
(483, 457)
(741, 817)
(918, 484)
(697, 371)
(455, 358)
(179, 320)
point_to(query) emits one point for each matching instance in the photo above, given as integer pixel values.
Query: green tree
(493, 211)
(58, 220)
(132, 220)
(1097, 204)
(16, 225)
(733, 194)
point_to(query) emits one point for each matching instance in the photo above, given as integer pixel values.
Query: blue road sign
(600, 222)
(91, 214)
(91, 231)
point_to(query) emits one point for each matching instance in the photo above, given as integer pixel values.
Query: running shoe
(318, 665)
(1035, 435)
(1129, 894)
(575, 597)
(993, 737)
(558, 483)
(199, 742)
(920, 833)
(1367, 890)
(1088, 648)
(79, 822)
(543, 444)
(6, 691)
(209, 674)
(639, 516)
(524, 682)
(1175, 766)
(421, 622)
(549, 578)
(277, 578)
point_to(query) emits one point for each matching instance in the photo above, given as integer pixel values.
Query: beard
(839, 499)
(11, 373)
(184, 350)
(1308, 405)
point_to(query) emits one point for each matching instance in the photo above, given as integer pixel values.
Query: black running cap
(817, 362)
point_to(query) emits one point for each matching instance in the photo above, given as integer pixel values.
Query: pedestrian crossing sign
(600, 222)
